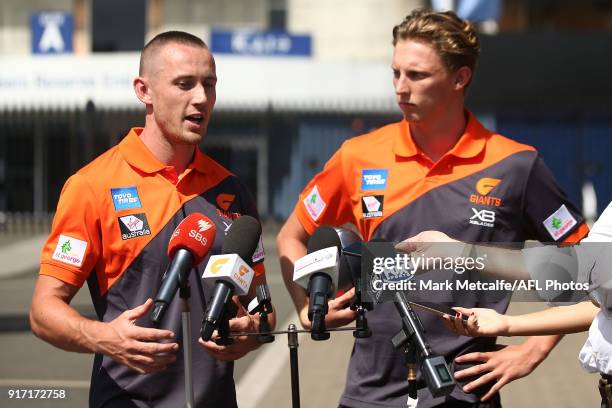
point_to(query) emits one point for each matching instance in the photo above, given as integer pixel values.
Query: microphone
(322, 272)
(229, 271)
(411, 337)
(189, 244)
(350, 275)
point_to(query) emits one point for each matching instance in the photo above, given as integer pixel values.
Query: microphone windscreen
(242, 238)
(324, 237)
(196, 234)
(385, 248)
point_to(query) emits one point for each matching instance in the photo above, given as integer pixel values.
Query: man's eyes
(413, 75)
(185, 84)
(417, 75)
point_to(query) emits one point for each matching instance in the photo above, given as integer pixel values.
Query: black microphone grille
(324, 237)
(242, 238)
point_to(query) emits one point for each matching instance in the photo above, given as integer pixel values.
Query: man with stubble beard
(113, 222)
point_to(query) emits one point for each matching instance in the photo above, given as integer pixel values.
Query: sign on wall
(51, 32)
(260, 43)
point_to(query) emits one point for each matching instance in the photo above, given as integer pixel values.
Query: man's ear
(141, 88)
(462, 78)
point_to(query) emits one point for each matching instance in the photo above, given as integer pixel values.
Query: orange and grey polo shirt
(113, 222)
(487, 188)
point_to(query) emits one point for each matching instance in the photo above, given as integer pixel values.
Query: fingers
(340, 318)
(242, 324)
(408, 246)
(342, 301)
(229, 353)
(149, 334)
(155, 348)
(459, 326)
(486, 378)
(476, 357)
(494, 389)
(148, 365)
(463, 310)
(241, 309)
(154, 361)
(139, 311)
(448, 323)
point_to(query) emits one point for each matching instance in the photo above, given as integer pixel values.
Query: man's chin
(193, 137)
(412, 117)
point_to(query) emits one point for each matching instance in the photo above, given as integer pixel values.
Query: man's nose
(401, 86)
(199, 95)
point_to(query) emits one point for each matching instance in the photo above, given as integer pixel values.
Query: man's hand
(136, 347)
(422, 241)
(242, 323)
(339, 313)
(501, 367)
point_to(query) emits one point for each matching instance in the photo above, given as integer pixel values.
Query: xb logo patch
(483, 218)
(483, 215)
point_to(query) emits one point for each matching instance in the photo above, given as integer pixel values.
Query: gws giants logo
(484, 186)
(224, 201)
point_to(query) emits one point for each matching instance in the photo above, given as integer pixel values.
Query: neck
(436, 138)
(176, 155)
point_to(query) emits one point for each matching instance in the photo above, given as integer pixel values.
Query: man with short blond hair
(437, 169)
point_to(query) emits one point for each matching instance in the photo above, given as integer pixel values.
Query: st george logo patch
(314, 203)
(70, 250)
(559, 222)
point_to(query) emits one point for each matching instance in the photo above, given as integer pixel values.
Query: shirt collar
(138, 155)
(470, 144)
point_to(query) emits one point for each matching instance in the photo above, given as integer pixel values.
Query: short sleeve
(598, 247)
(561, 273)
(73, 247)
(548, 213)
(325, 200)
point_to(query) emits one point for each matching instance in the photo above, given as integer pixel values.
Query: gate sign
(52, 32)
(260, 43)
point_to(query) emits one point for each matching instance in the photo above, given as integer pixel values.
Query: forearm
(556, 320)
(56, 322)
(291, 245)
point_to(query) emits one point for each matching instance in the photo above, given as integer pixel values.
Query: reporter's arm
(555, 320)
(500, 263)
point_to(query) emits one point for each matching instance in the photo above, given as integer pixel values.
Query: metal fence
(25, 223)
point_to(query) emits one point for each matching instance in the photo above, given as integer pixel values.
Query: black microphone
(231, 271)
(350, 275)
(320, 283)
(412, 340)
